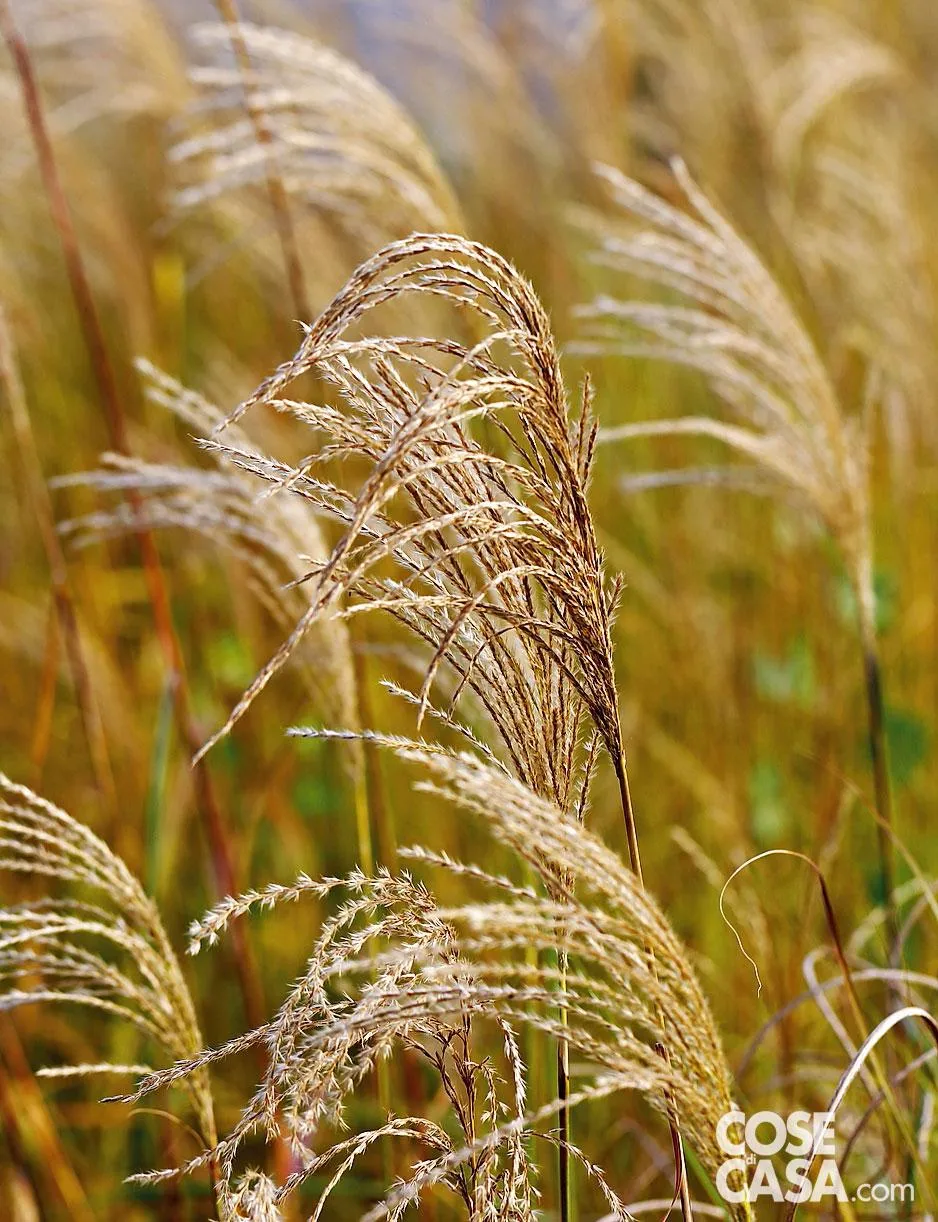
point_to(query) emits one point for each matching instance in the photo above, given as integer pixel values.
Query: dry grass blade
(137, 979)
(338, 142)
(882, 1029)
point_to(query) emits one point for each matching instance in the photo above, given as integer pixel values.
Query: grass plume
(783, 415)
(443, 970)
(56, 943)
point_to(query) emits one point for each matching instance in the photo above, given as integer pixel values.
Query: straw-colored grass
(493, 553)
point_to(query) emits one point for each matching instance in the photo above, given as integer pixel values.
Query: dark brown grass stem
(879, 762)
(628, 814)
(109, 395)
(564, 1186)
(564, 1183)
(279, 203)
(682, 1188)
(38, 494)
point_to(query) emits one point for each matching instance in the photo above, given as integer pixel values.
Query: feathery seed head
(138, 982)
(476, 491)
(341, 144)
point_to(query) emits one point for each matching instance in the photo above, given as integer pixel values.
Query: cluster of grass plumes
(336, 1024)
(443, 971)
(501, 572)
(500, 569)
(421, 495)
(738, 329)
(502, 577)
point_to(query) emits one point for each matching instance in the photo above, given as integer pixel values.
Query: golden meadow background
(815, 127)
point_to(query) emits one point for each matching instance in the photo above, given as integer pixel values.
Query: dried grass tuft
(51, 950)
(341, 145)
(475, 492)
(438, 973)
(742, 333)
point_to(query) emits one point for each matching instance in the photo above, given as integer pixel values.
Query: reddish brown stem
(275, 189)
(29, 1128)
(106, 382)
(61, 591)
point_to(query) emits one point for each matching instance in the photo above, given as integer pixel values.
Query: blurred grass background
(742, 686)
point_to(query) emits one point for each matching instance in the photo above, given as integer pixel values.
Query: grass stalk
(372, 788)
(564, 1183)
(879, 756)
(635, 861)
(109, 395)
(371, 813)
(279, 203)
(38, 493)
